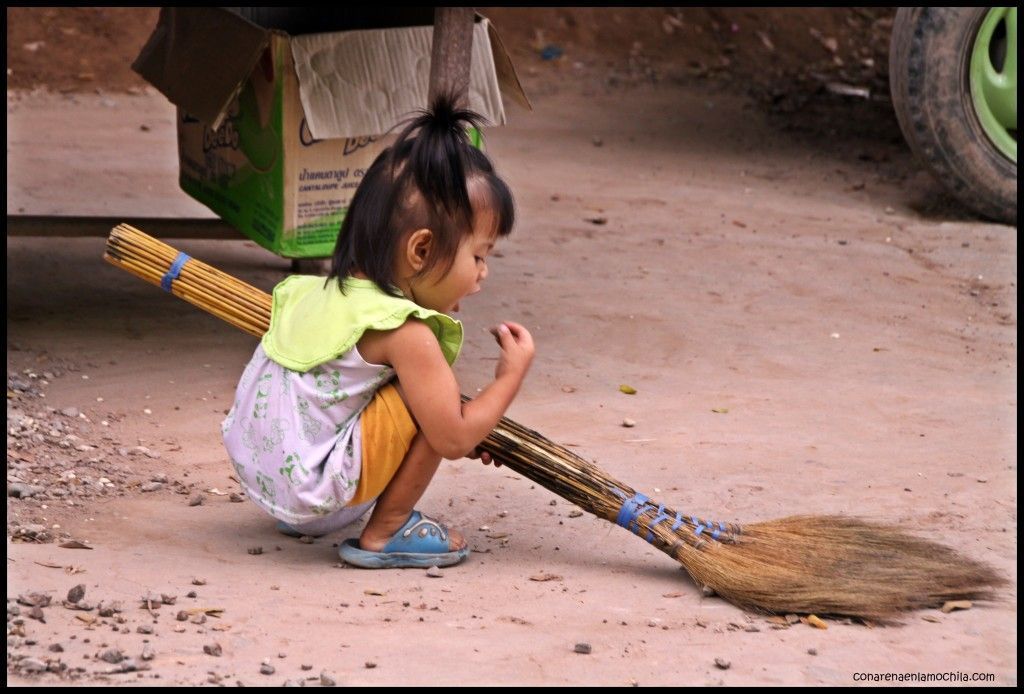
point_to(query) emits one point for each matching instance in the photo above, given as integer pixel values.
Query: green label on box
(238, 170)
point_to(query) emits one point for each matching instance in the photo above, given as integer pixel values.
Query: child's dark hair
(422, 181)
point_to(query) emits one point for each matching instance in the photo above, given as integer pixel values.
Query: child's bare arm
(452, 428)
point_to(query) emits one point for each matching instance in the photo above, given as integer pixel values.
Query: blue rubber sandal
(421, 543)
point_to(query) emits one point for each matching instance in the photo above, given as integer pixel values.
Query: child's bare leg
(399, 498)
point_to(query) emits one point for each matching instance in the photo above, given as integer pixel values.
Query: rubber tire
(929, 61)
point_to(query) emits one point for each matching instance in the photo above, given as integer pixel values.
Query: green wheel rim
(994, 90)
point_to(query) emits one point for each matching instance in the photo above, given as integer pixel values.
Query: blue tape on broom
(679, 521)
(630, 510)
(175, 270)
(657, 519)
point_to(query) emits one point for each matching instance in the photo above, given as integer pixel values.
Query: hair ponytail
(421, 181)
(431, 153)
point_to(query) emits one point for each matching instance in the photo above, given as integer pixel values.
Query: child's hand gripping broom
(825, 565)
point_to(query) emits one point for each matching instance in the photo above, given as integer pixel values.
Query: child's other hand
(516, 349)
(484, 457)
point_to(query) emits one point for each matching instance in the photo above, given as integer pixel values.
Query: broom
(824, 565)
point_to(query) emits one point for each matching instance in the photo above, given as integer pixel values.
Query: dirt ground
(810, 324)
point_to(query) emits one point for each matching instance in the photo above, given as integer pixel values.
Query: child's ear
(417, 248)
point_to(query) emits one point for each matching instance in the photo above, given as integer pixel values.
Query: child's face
(442, 291)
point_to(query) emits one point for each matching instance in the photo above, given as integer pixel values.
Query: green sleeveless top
(311, 323)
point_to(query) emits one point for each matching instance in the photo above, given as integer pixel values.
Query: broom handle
(566, 474)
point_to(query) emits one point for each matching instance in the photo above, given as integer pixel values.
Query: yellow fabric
(387, 431)
(312, 322)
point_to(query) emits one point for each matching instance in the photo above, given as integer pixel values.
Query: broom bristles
(835, 565)
(824, 565)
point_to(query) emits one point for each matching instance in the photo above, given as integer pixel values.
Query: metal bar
(450, 53)
(164, 227)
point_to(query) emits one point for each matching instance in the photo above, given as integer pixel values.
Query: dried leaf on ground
(75, 544)
(815, 621)
(956, 605)
(545, 577)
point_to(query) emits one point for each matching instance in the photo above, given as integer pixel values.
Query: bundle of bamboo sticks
(240, 304)
(825, 565)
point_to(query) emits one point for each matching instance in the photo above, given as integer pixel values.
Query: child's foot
(420, 542)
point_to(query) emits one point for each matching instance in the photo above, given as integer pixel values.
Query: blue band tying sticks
(633, 508)
(175, 270)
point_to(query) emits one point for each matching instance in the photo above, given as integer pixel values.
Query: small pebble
(147, 652)
(267, 669)
(722, 664)
(213, 649)
(32, 665)
(370, 664)
(327, 680)
(628, 423)
(306, 667)
(434, 572)
(76, 593)
(196, 500)
(112, 656)
(145, 629)
(582, 647)
(812, 651)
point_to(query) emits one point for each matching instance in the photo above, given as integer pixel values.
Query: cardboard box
(275, 131)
